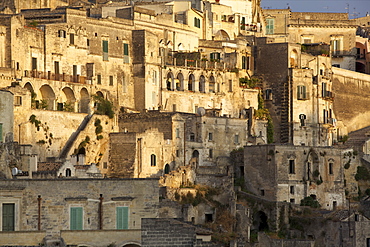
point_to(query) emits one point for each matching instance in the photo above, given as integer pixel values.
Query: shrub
(362, 173)
(103, 106)
(309, 201)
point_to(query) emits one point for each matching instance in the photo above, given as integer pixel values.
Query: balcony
(328, 95)
(342, 54)
(55, 77)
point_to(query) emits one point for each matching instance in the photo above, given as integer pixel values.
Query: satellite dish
(14, 171)
(201, 111)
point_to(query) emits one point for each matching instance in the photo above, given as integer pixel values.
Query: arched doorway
(202, 84)
(68, 100)
(68, 172)
(170, 81)
(180, 82)
(195, 154)
(191, 82)
(261, 219)
(167, 169)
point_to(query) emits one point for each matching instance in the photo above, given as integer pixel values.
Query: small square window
(292, 200)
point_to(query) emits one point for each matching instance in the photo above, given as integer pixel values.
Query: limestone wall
(352, 91)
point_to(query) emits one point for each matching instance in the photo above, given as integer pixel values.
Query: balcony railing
(55, 77)
(200, 64)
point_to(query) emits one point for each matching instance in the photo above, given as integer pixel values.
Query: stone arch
(68, 100)
(222, 35)
(179, 82)
(195, 154)
(202, 84)
(170, 81)
(48, 97)
(262, 221)
(294, 59)
(191, 82)
(212, 84)
(100, 94)
(29, 86)
(84, 101)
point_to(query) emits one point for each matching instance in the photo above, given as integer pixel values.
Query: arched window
(202, 84)
(153, 160)
(191, 82)
(68, 172)
(166, 169)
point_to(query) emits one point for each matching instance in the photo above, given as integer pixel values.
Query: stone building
(95, 212)
(6, 116)
(334, 29)
(291, 173)
(298, 93)
(155, 143)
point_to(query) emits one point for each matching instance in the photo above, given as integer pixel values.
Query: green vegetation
(362, 173)
(98, 129)
(248, 83)
(67, 106)
(103, 106)
(309, 201)
(347, 164)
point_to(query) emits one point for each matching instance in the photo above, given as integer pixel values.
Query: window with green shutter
(105, 50)
(76, 218)
(8, 217)
(270, 26)
(122, 217)
(125, 50)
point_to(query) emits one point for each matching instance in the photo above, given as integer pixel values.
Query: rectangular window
(324, 92)
(122, 217)
(8, 217)
(99, 80)
(210, 136)
(71, 38)
(177, 133)
(89, 70)
(291, 167)
(301, 92)
(124, 85)
(244, 58)
(174, 107)
(105, 50)
(110, 80)
(34, 63)
(153, 160)
(105, 165)
(56, 68)
(270, 26)
(18, 100)
(126, 52)
(211, 153)
(76, 218)
(230, 85)
(177, 153)
(242, 24)
(87, 42)
(331, 168)
(248, 63)
(236, 139)
(368, 242)
(291, 190)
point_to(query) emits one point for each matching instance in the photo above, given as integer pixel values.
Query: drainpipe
(101, 212)
(39, 213)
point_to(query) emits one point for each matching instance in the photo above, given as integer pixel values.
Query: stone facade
(45, 205)
(291, 173)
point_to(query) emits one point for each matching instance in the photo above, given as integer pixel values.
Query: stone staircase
(67, 147)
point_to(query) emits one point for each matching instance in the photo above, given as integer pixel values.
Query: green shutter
(122, 217)
(105, 45)
(76, 218)
(125, 49)
(8, 216)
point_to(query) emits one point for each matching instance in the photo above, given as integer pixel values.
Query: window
(262, 192)
(192, 137)
(210, 136)
(71, 38)
(211, 153)
(215, 56)
(174, 107)
(236, 139)
(324, 92)
(34, 63)
(301, 92)
(291, 167)
(177, 153)
(242, 24)
(122, 217)
(331, 168)
(177, 133)
(291, 190)
(302, 119)
(196, 22)
(110, 80)
(18, 100)
(244, 59)
(105, 165)
(336, 45)
(76, 218)
(292, 200)
(105, 50)
(270, 26)
(153, 160)
(125, 53)
(87, 42)
(56, 70)
(325, 116)
(8, 217)
(268, 94)
(62, 33)
(99, 79)
(230, 85)
(68, 172)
